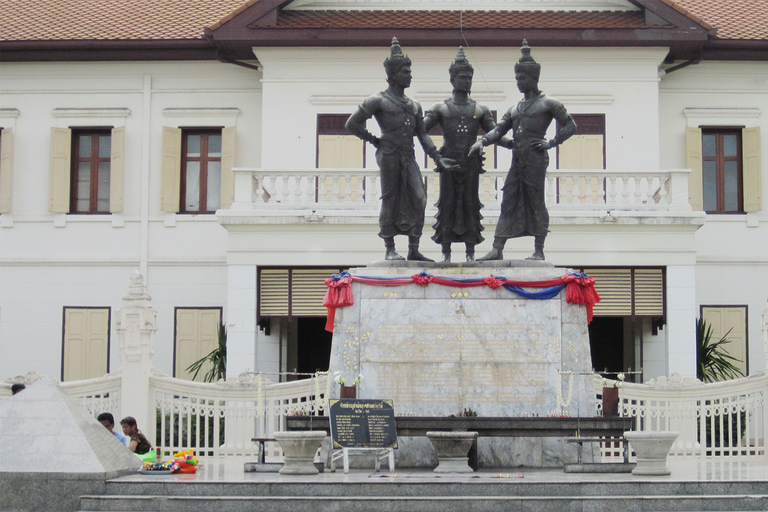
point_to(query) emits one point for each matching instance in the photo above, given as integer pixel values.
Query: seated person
(138, 443)
(108, 421)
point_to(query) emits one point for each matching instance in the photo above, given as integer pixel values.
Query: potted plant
(346, 391)
(217, 357)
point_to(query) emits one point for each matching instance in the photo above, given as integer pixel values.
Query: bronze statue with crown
(403, 194)
(523, 210)
(460, 118)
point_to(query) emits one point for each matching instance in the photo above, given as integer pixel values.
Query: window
(6, 167)
(197, 335)
(197, 172)
(91, 159)
(87, 170)
(289, 292)
(85, 352)
(336, 147)
(725, 169)
(585, 149)
(200, 171)
(721, 170)
(723, 319)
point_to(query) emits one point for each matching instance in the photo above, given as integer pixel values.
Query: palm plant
(713, 362)
(217, 357)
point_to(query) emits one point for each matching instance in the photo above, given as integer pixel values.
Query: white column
(681, 320)
(241, 319)
(136, 323)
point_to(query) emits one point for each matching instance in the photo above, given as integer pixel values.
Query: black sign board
(363, 424)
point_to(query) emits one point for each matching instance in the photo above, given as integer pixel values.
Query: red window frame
(93, 160)
(204, 160)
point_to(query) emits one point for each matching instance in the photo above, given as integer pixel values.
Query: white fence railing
(724, 421)
(360, 189)
(721, 419)
(221, 419)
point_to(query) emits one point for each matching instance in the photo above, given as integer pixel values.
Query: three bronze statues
(459, 161)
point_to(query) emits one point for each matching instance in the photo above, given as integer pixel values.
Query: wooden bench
(596, 427)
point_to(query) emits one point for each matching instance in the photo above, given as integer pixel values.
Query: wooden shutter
(694, 161)
(61, 158)
(274, 297)
(117, 170)
(227, 190)
(6, 169)
(581, 152)
(339, 151)
(734, 318)
(196, 336)
(171, 170)
(753, 186)
(614, 285)
(86, 343)
(307, 291)
(649, 292)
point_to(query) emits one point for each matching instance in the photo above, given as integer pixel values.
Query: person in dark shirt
(137, 442)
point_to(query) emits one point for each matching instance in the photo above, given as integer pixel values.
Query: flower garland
(259, 396)
(580, 288)
(560, 401)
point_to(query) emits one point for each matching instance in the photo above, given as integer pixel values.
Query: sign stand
(360, 427)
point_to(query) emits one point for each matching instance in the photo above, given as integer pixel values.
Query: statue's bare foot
(446, 258)
(537, 255)
(415, 255)
(392, 255)
(470, 258)
(494, 255)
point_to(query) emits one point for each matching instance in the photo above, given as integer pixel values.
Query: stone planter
(452, 449)
(651, 449)
(299, 449)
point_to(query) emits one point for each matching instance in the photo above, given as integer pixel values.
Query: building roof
(176, 29)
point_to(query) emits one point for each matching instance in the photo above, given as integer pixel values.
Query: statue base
(442, 350)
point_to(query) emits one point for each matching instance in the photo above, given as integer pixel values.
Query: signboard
(363, 424)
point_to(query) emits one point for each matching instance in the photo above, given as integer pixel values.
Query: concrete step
(466, 503)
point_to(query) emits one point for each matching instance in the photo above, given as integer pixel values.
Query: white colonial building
(201, 143)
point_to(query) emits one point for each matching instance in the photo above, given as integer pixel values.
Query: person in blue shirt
(108, 421)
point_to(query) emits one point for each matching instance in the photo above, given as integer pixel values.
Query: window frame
(204, 159)
(719, 158)
(95, 132)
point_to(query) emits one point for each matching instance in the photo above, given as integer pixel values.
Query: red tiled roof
(452, 19)
(733, 19)
(33, 20)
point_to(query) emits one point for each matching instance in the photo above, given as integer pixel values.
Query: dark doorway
(314, 345)
(606, 342)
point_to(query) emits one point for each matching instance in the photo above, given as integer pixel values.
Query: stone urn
(299, 449)
(651, 449)
(452, 449)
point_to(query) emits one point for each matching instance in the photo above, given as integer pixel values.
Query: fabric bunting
(580, 288)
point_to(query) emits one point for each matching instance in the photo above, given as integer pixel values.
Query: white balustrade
(360, 189)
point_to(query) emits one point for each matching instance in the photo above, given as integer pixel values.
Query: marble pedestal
(299, 449)
(437, 350)
(651, 449)
(452, 449)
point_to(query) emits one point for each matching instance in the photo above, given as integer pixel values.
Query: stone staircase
(430, 495)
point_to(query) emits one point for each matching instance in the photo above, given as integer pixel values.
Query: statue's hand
(506, 142)
(375, 141)
(541, 145)
(476, 147)
(447, 164)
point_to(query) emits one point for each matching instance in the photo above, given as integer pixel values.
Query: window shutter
(171, 170)
(649, 292)
(227, 190)
(197, 335)
(6, 169)
(117, 170)
(61, 148)
(308, 291)
(694, 162)
(86, 343)
(753, 187)
(339, 151)
(569, 153)
(351, 151)
(615, 289)
(273, 292)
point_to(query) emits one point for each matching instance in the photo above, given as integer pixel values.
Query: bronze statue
(404, 197)
(460, 117)
(523, 211)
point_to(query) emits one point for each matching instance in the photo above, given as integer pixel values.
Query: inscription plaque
(363, 424)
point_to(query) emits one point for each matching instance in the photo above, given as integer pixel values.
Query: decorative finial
(396, 52)
(526, 64)
(460, 57)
